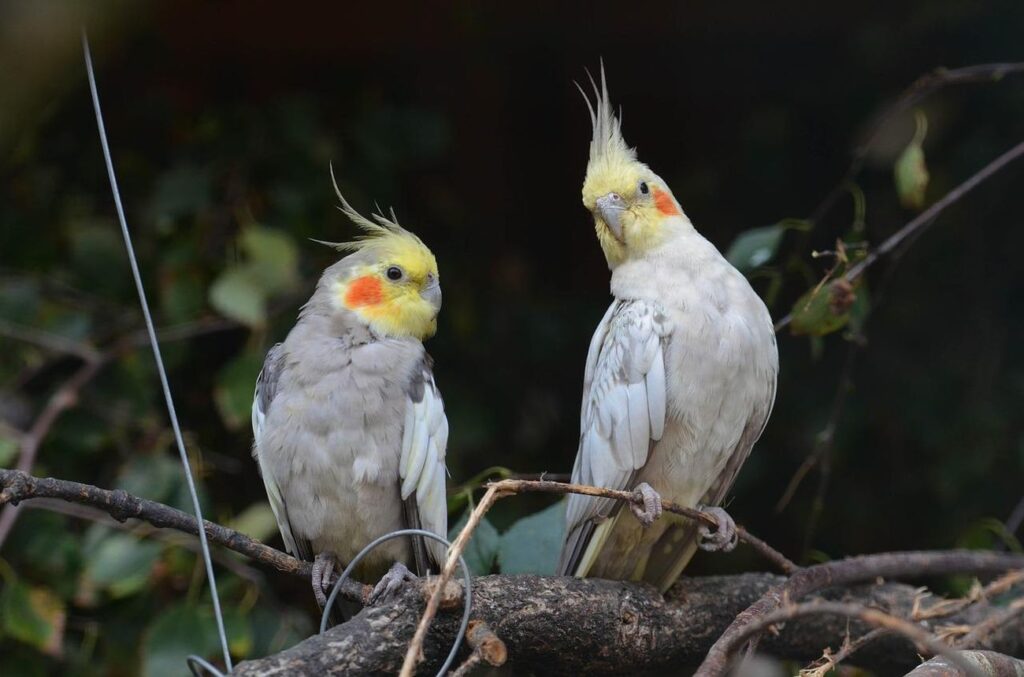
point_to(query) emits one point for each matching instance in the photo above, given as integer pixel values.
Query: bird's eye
(394, 273)
(644, 188)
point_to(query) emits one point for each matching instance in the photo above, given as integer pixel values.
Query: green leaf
(813, 313)
(120, 563)
(176, 633)
(238, 293)
(755, 247)
(275, 255)
(257, 521)
(910, 171)
(482, 548)
(33, 615)
(234, 390)
(532, 545)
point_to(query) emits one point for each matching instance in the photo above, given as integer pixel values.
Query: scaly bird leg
(724, 537)
(391, 582)
(323, 567)
(646, 505)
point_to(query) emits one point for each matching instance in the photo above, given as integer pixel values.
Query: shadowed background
(223, 118)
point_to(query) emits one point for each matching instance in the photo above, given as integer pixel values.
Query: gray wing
(266, 388)
(421, 467)
(623, 414)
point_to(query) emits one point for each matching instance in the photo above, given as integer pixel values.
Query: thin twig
(948, 607)
(982, 630)
(921, 222)
(65, 397)
(16, 486)
(830, 661)
(868, 615)
(848, 571)
(496, 490)
(52, 342)
(415, 652)
(783, 563)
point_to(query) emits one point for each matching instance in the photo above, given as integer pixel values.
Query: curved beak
(610, 207)
(432, 294)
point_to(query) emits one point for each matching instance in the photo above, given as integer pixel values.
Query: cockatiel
(348, 424)
(680, 376)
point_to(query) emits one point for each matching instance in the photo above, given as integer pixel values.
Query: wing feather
(421, 469)
(263, 397)
(623, 412)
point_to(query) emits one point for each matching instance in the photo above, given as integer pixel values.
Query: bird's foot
(323, 568)
(724, 536)
(646, 504)
(391, 582)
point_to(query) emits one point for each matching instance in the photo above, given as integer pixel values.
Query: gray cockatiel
(680, 376)
(349, 427)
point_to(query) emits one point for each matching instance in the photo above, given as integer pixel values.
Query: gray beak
(611, 207)
(432, 294)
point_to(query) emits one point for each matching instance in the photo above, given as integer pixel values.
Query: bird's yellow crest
(631, 205)
(395, 286)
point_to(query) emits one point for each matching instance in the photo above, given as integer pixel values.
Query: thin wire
(156, 351)
(196, 665)
(467, 595)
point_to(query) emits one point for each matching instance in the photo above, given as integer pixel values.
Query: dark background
(224, 116)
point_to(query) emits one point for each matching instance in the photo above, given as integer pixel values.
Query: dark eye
(394, 273)
(643, 188)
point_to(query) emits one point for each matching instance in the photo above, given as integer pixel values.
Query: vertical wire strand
(156, 351)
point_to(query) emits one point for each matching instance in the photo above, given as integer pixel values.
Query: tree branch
(847, 572)
(566, 625)
(924, 219)
(561, 625)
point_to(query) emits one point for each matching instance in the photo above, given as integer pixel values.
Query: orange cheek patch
(364, 291)
(665, 204)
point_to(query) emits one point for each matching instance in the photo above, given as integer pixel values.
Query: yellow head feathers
(392, 283)
(630, 203)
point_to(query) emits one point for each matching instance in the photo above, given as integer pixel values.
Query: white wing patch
(624, 403)
(421, 467)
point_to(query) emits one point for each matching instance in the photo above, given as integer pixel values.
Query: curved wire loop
(467, 579)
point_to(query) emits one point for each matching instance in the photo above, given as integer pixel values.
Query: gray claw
(323, 568)
(724, 537)
(391, 582)
(646, 505)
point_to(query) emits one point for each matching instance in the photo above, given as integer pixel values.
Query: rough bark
(571, 626)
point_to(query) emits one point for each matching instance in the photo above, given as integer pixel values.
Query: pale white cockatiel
(680, 376)
(349, 427)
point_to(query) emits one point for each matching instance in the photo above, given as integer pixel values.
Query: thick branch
(554, 625)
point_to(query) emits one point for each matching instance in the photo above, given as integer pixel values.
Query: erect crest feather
(606, 144)
(377, 230)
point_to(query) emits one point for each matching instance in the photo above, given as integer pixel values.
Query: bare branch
(924, 219)
(850, 571)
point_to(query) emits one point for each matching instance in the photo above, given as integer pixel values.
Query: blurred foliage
(466, 120)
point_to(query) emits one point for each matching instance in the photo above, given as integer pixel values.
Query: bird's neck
(683, 259)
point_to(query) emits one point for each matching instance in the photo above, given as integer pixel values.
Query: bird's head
(634, 210)
(390, 282)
